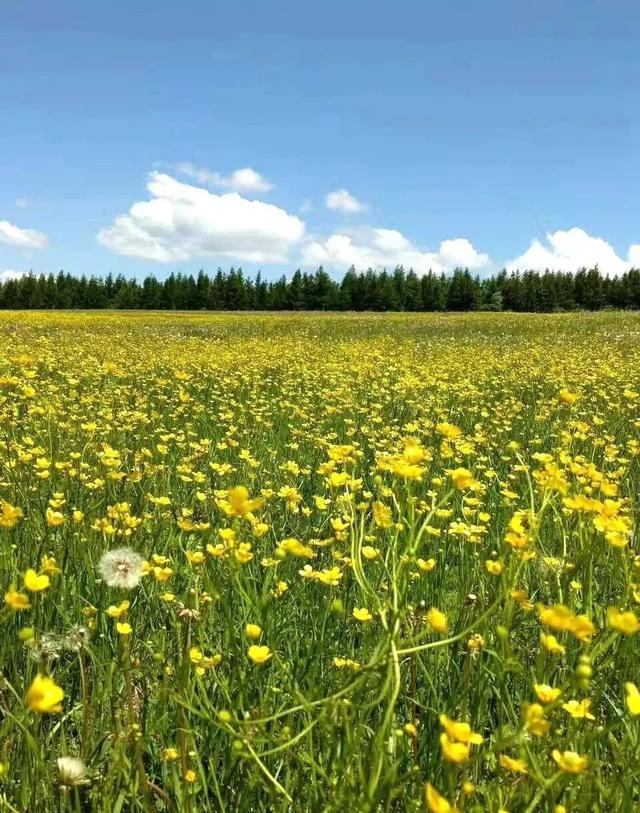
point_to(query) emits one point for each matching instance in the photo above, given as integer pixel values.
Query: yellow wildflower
(570, 761)
(259, 654)
(44, 695)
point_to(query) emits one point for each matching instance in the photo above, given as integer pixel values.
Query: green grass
(117, 409)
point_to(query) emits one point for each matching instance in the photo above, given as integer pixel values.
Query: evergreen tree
(372, 290)
(295, 294)
(463, 292)
(413, 292)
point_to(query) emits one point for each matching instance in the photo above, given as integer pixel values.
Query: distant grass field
(369, 562)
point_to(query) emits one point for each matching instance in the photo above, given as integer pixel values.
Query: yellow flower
(190, 775)
(551, 644)
(35, 583)
(557, 617)
(579, 709)
(437, 620)
(560, 617)
(195, 654)
(633, 698)
(171, 754)
(426, 565)
(475, 642)
(462, 479)
(124, 628)
(570, 761)
(16, 600)
(449, 430)
(437, 803)
(400, 467)
(521, 526)
(120, 610)
(44, 695)
(54, 518)
(516, 765)
(413, 453)
(382, 515)
(545, 693)
(295, 548)
(568, 397)
(253, 631)
(456, 752)
(9, 515)
(582, 628)
(243, 553)
(281, 588)
(493, 567)
(237, 503)
(50, 566)
(259, 654)
(162, 574)
(460, 732)
(535, 721)
(362, 614)
(624, 622)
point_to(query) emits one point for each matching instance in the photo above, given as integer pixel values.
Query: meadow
(319, 562)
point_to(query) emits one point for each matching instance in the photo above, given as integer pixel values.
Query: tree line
(397, 290)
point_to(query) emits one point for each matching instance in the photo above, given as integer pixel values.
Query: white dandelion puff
(122, 567)
(72, 771)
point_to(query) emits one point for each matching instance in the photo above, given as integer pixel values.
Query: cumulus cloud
(22, 238)
(343, 201)
(386, 248)
(245, 180)
(573, 249)
(11, 274)
(182, 222)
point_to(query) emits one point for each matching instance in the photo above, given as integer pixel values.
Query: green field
(371, 562)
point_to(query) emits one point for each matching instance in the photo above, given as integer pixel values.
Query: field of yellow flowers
(319, 562)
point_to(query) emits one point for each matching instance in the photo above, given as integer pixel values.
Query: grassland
(373, 562)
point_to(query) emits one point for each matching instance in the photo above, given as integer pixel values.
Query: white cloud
(22, 238)
(11, 274)
(345, 202)
(22, 203)
(386, 248)
(571, 250)
(245, 180)
(182, 222)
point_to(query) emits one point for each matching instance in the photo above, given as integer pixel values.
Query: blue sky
(477, 133)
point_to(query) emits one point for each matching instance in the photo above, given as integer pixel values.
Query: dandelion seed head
(122, 568)
(76, 638)
(46, 648)
(71, 770)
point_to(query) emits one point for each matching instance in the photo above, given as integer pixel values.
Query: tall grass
(484, 466)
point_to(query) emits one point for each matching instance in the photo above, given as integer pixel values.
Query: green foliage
(372, 290)
(400, 508)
